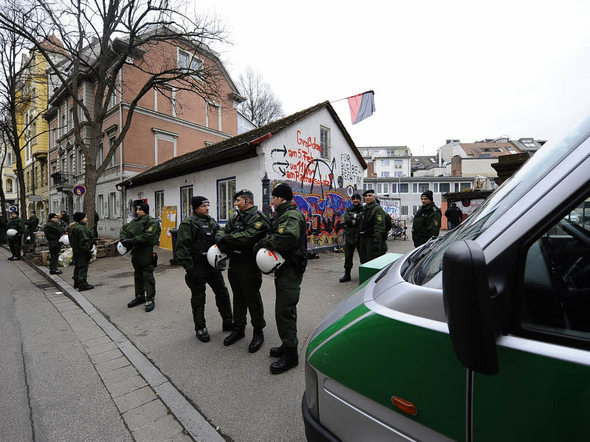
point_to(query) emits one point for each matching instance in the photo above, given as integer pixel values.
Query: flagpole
(346, 98)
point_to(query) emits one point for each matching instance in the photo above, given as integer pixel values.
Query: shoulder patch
(150, 228)
(379, 217)
(281, 229)
(258, 224)
(436, 222)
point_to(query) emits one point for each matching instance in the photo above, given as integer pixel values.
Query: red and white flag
(361, 106)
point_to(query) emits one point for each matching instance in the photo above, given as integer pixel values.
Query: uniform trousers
(288, 287)
(196, 278)
(245, 280)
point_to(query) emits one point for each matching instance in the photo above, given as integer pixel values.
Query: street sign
(34, 198)
(79, 190)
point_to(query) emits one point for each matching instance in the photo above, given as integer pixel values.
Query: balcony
(63, 180)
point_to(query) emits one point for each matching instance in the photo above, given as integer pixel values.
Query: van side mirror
(466, 298)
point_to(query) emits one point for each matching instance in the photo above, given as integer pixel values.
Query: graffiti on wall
(322, 187)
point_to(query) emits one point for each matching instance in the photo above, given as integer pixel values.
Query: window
(325, 142)
(398, 164)
(415, 209)
(186, 193)
(556, 287)
(385, 187)
(385, 174)
(366, 186)
(9, 185)
(190, 62)
(393, 187)
(62, 127)
(159, 198)
(113, 205)
(113, 161)
(225, 193)
(100, 206)
(70, 119)
(456, 186)
(404, 188)
(422, 187)
(71, 163)
(444, 187)
(404, 210)
(99, 155)
(464, 186)
(385, 162)
(435, 187)
(53, 137)
(379, 188)
(80, 162)
(213, 115)
(113, 99)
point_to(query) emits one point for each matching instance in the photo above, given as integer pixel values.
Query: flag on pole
(361, 106)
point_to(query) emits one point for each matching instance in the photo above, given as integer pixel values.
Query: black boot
(55, 272)
(277, 352)
(136, 301)
(227, 325)
(85, 286)
(287, 361)
(150, 305)
(203, 335)
(234, 337)
(257, 340)
(346, 276)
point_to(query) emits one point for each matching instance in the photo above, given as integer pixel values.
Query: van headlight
(311, 390)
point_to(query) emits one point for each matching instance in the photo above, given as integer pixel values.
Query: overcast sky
(440, 69)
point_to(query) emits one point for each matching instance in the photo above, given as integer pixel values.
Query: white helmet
(216, 258)
(11, 232)
(65, 240)
(268, 260)
(121, 248)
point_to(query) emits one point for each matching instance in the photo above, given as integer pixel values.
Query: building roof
(233, 149)
(424, 162)
(488, 149)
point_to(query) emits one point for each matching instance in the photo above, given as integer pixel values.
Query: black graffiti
(280, 167)
(283, 150)
(313, 172)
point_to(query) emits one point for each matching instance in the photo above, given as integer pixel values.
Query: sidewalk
(157, 354)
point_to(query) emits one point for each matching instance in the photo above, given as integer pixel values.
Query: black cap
(244, 192)
(197, 201)
(355, 196)
(79, 216)
(368, 191)
(144, 207)
(427, 194)
(283, 190)
(51, 216)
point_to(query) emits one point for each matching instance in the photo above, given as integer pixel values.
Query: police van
(482, 334)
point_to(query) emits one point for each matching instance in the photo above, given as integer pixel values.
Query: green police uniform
(237, 239)
(288, 237)
(53, 232)
(3, 227)
(81, 241)
(372, 232)
(426, 224)
(32, 224)
(195, 235)
(15, 243)
(142, 233)
(352, 221)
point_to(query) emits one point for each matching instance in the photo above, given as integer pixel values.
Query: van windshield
(511, 191)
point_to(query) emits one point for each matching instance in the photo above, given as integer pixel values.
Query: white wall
(478, 167)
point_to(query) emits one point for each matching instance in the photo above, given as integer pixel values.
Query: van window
(521, 183)
(555, 294)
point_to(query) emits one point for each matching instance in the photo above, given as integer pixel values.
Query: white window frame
(186, 193)
(196, 63)
(226, 188)
(159, 204)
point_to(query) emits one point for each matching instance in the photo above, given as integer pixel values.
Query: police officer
(81, 241)
(3, 227)
(288, 237)
(454, 216)
(352, 219)
(237, 239)
(15, 242)
(140, 236)
(372, 230)
(53, 232)
(195, 235)
(426, 221)
(32, 224)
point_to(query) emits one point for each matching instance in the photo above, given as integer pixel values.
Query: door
(542, 389)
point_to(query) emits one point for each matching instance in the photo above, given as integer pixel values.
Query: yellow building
(31, 99)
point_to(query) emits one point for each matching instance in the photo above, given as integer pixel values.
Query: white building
(387, 161)
(310, 150)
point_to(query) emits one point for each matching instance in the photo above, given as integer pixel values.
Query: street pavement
(210, 389)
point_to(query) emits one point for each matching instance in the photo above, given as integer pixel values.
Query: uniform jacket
(32, 223)
(288, 235)
(195, 235)
(81, 238)
(241, 232)
(144, 232)
(373, 225)
(352, 222)
(17, 224)
(454, 215)
(426, 224)
(53, 231)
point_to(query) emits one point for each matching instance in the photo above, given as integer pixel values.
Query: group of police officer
(364, 231)
(245, 233)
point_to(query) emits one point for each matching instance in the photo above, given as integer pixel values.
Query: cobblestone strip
(151, 406)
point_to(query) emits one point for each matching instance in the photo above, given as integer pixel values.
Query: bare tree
(16, 74)
(99, 40)
(261, 106)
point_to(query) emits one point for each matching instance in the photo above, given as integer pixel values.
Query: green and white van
(482, 334)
